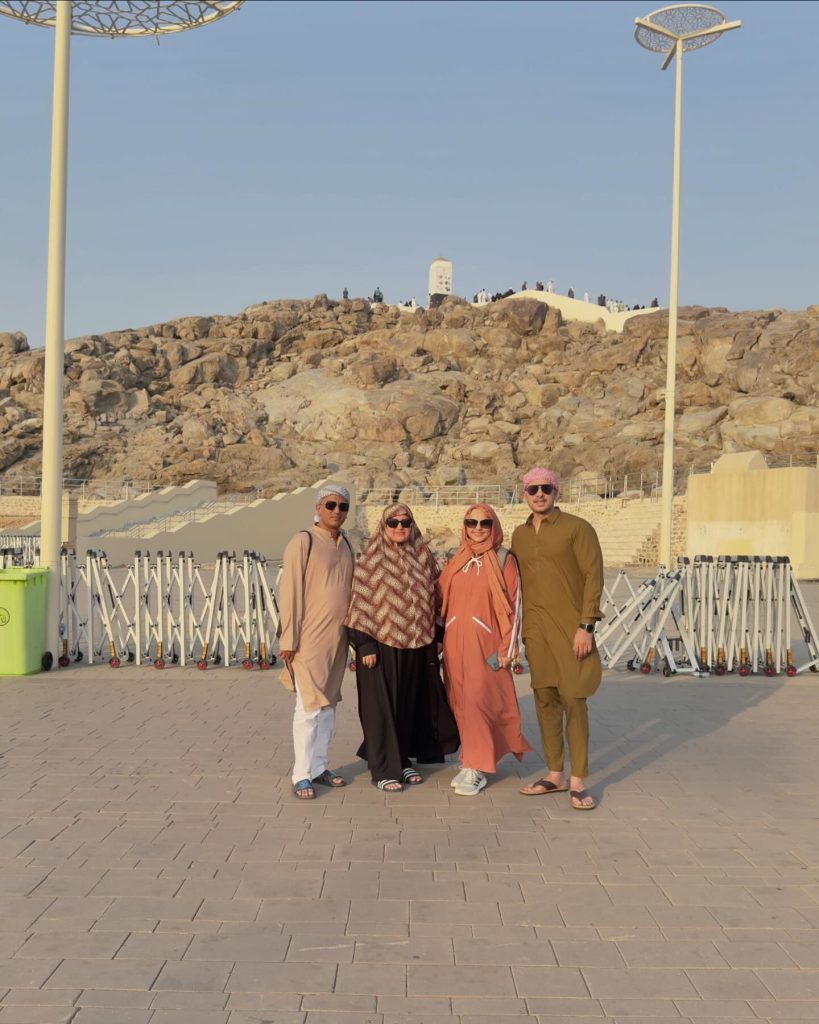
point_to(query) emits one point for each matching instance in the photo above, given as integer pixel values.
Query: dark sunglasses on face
(343, 506)
(532, 489)
(393, 523)
(471, 524)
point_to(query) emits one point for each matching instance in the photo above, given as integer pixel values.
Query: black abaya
(402, 708)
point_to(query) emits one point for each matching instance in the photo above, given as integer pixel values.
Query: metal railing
(106, 490)
(775, 460)
(572, 490)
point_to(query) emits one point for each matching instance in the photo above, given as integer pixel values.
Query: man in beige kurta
(314, 594)
(561, 569)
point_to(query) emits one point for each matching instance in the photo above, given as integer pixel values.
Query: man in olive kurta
(314, 593)
(561, 568)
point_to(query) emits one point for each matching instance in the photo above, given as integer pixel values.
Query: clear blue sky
(295, 148)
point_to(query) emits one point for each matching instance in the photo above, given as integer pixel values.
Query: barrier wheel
(518, 670)
(352, 666)
(114, 662)
(247, 663)
(630, 666)
(130, 656)
(791, 671)
(63, 661)
(744, 670)
(202, 665)
(217, 659)
(78, 656)
(159, 663)
(47, 661)
(666, 671)
(272, 660)
(645, 668)
(264, 665)
(719, 670)
(770, 671)
(174, 658)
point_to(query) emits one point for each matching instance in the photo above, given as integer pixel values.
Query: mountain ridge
(289, 391)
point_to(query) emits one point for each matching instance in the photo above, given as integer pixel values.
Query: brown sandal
(547, 787)
(581, 795)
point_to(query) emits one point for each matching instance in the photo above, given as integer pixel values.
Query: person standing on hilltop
(345, 294)
(561, 568)
(314, 593)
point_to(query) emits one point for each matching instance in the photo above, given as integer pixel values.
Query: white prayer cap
(331, 488)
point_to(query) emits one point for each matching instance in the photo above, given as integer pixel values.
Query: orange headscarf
(488, 552)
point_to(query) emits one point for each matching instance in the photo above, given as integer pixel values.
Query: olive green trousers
(551, 710)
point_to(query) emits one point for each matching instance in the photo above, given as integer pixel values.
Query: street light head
(122, 17)
(695, 25)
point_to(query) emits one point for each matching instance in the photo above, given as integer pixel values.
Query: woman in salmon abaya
(480, 606)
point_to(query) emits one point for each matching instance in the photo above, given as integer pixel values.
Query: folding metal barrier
(709, 615)
(165, 608)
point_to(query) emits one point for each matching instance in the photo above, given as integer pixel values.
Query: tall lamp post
(111, 18)
(674, 31)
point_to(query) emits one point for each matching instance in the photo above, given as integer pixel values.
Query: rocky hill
(289, 391)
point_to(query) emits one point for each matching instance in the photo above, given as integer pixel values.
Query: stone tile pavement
(157, 870)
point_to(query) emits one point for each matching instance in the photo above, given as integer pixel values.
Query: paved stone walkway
(156, 868)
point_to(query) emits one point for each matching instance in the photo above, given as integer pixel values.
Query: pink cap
(539, 475)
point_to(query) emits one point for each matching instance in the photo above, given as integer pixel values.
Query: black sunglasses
(474, 523)
(343, 506)
(532, 489)
(393, 523)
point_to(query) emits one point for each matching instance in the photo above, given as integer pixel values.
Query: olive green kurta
(561, 568)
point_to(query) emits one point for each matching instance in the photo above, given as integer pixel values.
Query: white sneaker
(458, 777)
(473, 782)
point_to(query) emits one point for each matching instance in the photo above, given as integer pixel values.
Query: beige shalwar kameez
(313, 604)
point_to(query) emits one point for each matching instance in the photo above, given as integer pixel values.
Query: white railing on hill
(105, 490)
(575, 489)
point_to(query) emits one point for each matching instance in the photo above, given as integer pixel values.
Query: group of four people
(398, 613)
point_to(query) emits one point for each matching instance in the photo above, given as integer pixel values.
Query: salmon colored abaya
(481, 610)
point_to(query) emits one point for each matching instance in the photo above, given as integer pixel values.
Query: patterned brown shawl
(393, 595)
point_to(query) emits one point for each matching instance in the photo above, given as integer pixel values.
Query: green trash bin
(22, 620)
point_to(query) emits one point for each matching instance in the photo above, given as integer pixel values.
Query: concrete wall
(628, 529)
(756, 511)
(587, 312)
(264, 525)
(14, 506)
(17, 515)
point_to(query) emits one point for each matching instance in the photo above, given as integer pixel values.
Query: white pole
(51, 492)
(667, 507)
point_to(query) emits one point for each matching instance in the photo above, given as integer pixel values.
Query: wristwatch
(588, 626)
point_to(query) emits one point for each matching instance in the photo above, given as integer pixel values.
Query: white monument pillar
(440, 278)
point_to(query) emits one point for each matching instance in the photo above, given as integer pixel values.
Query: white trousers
(312, 732)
